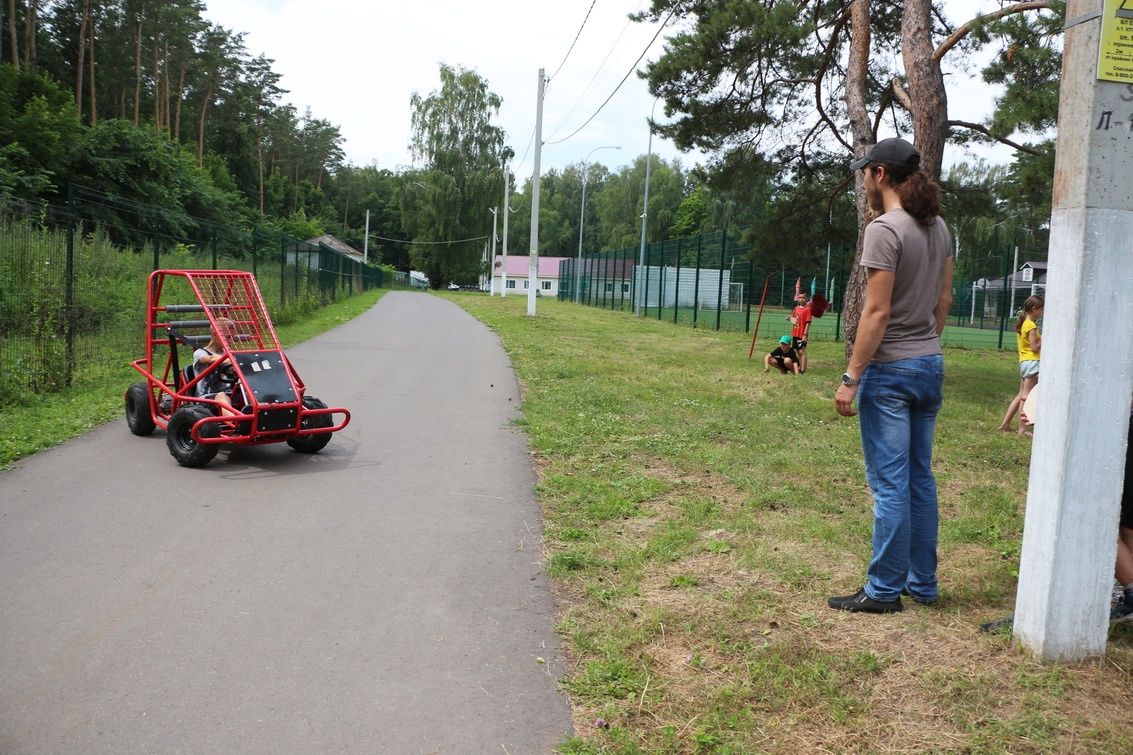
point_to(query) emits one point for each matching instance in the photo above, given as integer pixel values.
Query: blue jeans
(897, 407)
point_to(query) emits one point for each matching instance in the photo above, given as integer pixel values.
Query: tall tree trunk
(201, 124)
(12, 37)
(165, 87)
(926, 85)
(90, 51)
(80, 59)
(31, 20)
(861, 128)
(260, 158)
(138, 70)
(156, 89)
(180, 99)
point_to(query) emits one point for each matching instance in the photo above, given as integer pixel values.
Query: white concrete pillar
(1077, 462)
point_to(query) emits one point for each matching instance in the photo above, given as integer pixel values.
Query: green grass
(698, 512)
(39, 422)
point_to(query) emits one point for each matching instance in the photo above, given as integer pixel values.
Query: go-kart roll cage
(267, 395)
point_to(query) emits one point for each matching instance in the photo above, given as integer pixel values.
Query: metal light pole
(582, 224)
(507, 155)
(645, 208)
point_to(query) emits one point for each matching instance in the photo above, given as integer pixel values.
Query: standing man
(800, 319)
(896, 373)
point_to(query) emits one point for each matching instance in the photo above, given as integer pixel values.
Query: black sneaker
(921, 601)
(859, 602)
(1121, 612)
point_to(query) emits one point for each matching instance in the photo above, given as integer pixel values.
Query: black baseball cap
(895, 151)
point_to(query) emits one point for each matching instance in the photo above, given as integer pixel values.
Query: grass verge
(40, 422)
(698, 512)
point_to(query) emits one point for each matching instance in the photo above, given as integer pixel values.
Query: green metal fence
(713, 281)
(72, 281)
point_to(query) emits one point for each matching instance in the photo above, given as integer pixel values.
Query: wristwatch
(847, 380)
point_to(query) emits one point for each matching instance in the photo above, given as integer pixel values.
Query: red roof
(517, 265)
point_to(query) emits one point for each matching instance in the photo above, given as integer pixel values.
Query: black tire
(179, 436)
(138, 416)
(312, 444)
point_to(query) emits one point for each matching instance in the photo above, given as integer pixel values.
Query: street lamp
(638, 295)
(582, 225)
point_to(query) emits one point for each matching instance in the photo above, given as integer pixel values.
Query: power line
(619, 86)
(593, 78)
(406, 241)
(572, 44)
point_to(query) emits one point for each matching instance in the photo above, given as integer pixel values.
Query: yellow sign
(1115, 53)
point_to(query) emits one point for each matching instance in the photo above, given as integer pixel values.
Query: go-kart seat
(188, 373)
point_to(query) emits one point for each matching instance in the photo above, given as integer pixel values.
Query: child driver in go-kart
(215, 386)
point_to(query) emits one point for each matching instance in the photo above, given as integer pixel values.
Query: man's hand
(844, 400)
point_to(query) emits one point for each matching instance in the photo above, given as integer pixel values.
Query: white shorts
(1029, 368)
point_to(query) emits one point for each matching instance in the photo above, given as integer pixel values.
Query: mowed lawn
(699, 512)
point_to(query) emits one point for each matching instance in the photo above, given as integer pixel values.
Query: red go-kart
(246, 391)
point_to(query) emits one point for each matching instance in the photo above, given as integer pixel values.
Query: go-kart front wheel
(138, 416)
(179, 436)
(312, 444)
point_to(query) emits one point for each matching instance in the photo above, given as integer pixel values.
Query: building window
(545, 285)
(609, 288)
(511, 284)
(525, 284)
(625, 287)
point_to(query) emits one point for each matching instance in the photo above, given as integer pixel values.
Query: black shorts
(800, 343)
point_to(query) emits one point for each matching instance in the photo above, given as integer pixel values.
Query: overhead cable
(576, 36)
(619, 86)
(598, 70)
(402, 240)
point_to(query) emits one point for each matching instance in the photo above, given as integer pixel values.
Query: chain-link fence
(713, 281)
(73, 280)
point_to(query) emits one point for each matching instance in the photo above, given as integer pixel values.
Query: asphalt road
(384, 595)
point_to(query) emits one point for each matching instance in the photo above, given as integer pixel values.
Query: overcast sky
(356, 63)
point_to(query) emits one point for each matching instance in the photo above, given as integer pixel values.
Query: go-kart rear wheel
(179, 436)
(312, 444)
(138, 416)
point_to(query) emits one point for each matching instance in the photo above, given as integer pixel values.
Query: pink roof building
(517, 265)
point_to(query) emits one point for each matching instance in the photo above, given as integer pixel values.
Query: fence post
(212, 243)
(750, 288)
(69, 290)
(720, 277)
(677, 292)
(840, 276)
(156, 253)
(661, 282)
(1005, 307)
(696, 282)
(645, 293)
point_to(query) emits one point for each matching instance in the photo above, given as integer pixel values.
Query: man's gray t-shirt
(916, 254)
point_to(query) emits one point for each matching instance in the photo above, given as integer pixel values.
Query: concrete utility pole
(638, 294)
(507, 211)
(492, 259)
(1077, 462)
(533, 260)
(366, 240)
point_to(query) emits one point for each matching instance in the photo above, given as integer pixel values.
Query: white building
(517, 275)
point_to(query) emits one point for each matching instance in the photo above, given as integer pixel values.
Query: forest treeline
(149, 101)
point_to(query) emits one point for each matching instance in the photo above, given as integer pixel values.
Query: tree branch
(900, 94)
(955, 37)
(986, 132)
(827, 58)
